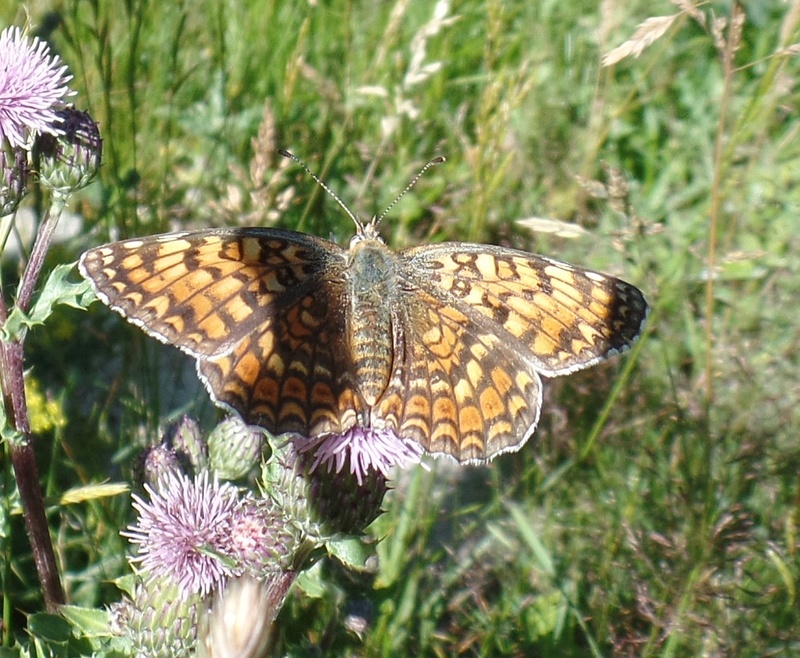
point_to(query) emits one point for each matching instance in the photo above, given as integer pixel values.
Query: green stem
(43, 238)
(732, 44)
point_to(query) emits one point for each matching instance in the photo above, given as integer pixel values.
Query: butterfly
(442, 344)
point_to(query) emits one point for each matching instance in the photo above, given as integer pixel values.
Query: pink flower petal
(32, 83)
(365, 449)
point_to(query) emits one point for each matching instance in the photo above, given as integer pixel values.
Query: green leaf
(126, 583)
(351, 552)
(91, 622)
(51, 628)
(7, 433)
(311, 582)
(56, 290)
(88, 492)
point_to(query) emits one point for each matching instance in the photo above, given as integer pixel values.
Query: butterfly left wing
(258, 308)
(476, 327)
(560, 317)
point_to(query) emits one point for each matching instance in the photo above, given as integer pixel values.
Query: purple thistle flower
(184, 532)
(365, 449)
(32, 83)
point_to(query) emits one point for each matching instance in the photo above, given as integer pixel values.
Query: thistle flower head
(32, 84)
(322, 502)
(183, 532)
(328, 501)
(366, 449)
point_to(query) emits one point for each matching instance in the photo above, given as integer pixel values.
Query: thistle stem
(40, 246)
(20, 446)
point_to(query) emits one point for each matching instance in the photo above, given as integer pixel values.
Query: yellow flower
(45, 413)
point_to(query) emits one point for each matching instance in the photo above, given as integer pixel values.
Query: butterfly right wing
(260, 310)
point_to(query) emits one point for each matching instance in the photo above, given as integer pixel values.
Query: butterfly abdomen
(371, 276)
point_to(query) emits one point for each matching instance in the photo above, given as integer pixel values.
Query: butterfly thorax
(371, 277)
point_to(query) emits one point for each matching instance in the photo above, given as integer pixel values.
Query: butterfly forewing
(559, 317)
(204, 291)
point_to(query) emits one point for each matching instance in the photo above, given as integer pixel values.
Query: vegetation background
(656, 511)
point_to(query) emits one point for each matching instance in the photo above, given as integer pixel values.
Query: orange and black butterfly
(443, 344)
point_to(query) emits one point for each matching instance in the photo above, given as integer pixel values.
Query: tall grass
(664, 524)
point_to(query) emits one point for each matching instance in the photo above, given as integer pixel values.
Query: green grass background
(655, 511)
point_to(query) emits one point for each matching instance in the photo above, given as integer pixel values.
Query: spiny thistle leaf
(57, 290)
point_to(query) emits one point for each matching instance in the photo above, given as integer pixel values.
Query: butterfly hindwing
(293, 373)
(456, 387)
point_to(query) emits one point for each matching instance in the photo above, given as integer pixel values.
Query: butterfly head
(368, 231)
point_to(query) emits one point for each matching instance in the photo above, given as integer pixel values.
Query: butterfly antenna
(292, 156)
(413, 182)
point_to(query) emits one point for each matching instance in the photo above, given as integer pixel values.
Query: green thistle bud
(321, 501)
(159, 620)
(14, 172)
(283, 482)
(69, 161)
(234, 448)
(186, 439)
(263, 541)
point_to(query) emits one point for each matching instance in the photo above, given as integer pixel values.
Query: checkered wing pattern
(477, 325)
(443, 344)
(260, 309)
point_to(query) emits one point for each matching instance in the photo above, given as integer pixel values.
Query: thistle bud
(234, 448)
(158, 620)
(159, 462)
(186, 438)
(67, 162)
(263, 540)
